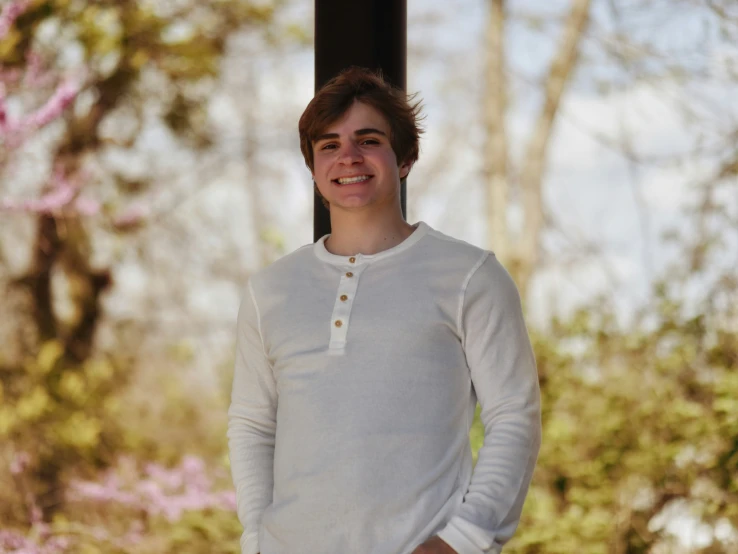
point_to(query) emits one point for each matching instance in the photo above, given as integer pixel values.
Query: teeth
(357, 179)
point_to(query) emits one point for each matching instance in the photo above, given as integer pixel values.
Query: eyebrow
(358, 133)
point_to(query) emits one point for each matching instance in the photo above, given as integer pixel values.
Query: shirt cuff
(467, 538)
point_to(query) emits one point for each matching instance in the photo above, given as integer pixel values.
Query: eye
(325, 146)
(371, 141)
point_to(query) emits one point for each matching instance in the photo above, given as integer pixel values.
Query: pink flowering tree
(16, 129)
(147, 493)
(157, 490)
(63, 418)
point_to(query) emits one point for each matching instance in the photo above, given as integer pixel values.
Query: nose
(349, 154)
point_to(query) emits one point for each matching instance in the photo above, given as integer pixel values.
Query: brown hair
(360, 84)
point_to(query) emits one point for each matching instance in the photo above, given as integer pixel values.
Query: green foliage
(63, 414)
(119, 40)
(62, 407)
(195, 420)
(145, 507)
(207, 531)
(633, 419)
(197, 532)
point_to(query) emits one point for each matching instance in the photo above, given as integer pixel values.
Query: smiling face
(355, 166)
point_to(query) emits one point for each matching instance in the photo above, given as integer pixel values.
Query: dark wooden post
(367, 33)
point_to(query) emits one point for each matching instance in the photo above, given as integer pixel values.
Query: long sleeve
(252, 424)
(504, 376)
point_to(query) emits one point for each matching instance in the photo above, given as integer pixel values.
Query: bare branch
(562, 67)
(496, 148)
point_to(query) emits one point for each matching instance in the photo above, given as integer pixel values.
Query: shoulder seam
(441, 236)
(462, 295)
(444, 237)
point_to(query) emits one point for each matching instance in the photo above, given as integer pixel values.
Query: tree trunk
(521, 252)
(531, 178)
(63, 242)
(495, 150)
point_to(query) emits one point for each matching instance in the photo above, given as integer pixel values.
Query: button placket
(345, 295)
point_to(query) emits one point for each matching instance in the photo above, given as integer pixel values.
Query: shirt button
(339, 323)
(352, 259)
(349, 274)
(344, 298)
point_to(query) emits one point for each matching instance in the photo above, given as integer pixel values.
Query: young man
(361, 357)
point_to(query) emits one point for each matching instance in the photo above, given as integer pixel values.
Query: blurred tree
(519, 250)
(118, 42)
(614, 48)
(640, 422)
(640, 426)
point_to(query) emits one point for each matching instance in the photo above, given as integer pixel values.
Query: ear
(405, 169)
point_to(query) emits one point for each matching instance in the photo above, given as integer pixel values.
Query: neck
(356, 233)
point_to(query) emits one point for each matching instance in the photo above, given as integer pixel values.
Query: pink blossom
(87, 206)
(194, 471)
(227, 499)
(192, 465)
(108, 490)
(3, 109)
(36, 516)
(14, 542)
(133, 536)
(20, 463)
(63, 195)
(103, 493)
(58, 544)
(63, 96)
(169, 479)
(9, 76)
(11, 539)
(38, 539)
(165, 491)
(131, 216)
(35, 75)
(14, 131)
(10, 13)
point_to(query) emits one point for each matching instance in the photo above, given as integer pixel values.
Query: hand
(434, 545)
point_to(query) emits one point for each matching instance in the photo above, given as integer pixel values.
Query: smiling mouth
(358, 180)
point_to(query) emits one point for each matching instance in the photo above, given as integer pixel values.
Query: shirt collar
(421, 229)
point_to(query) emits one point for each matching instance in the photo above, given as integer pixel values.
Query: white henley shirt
(355, 384)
